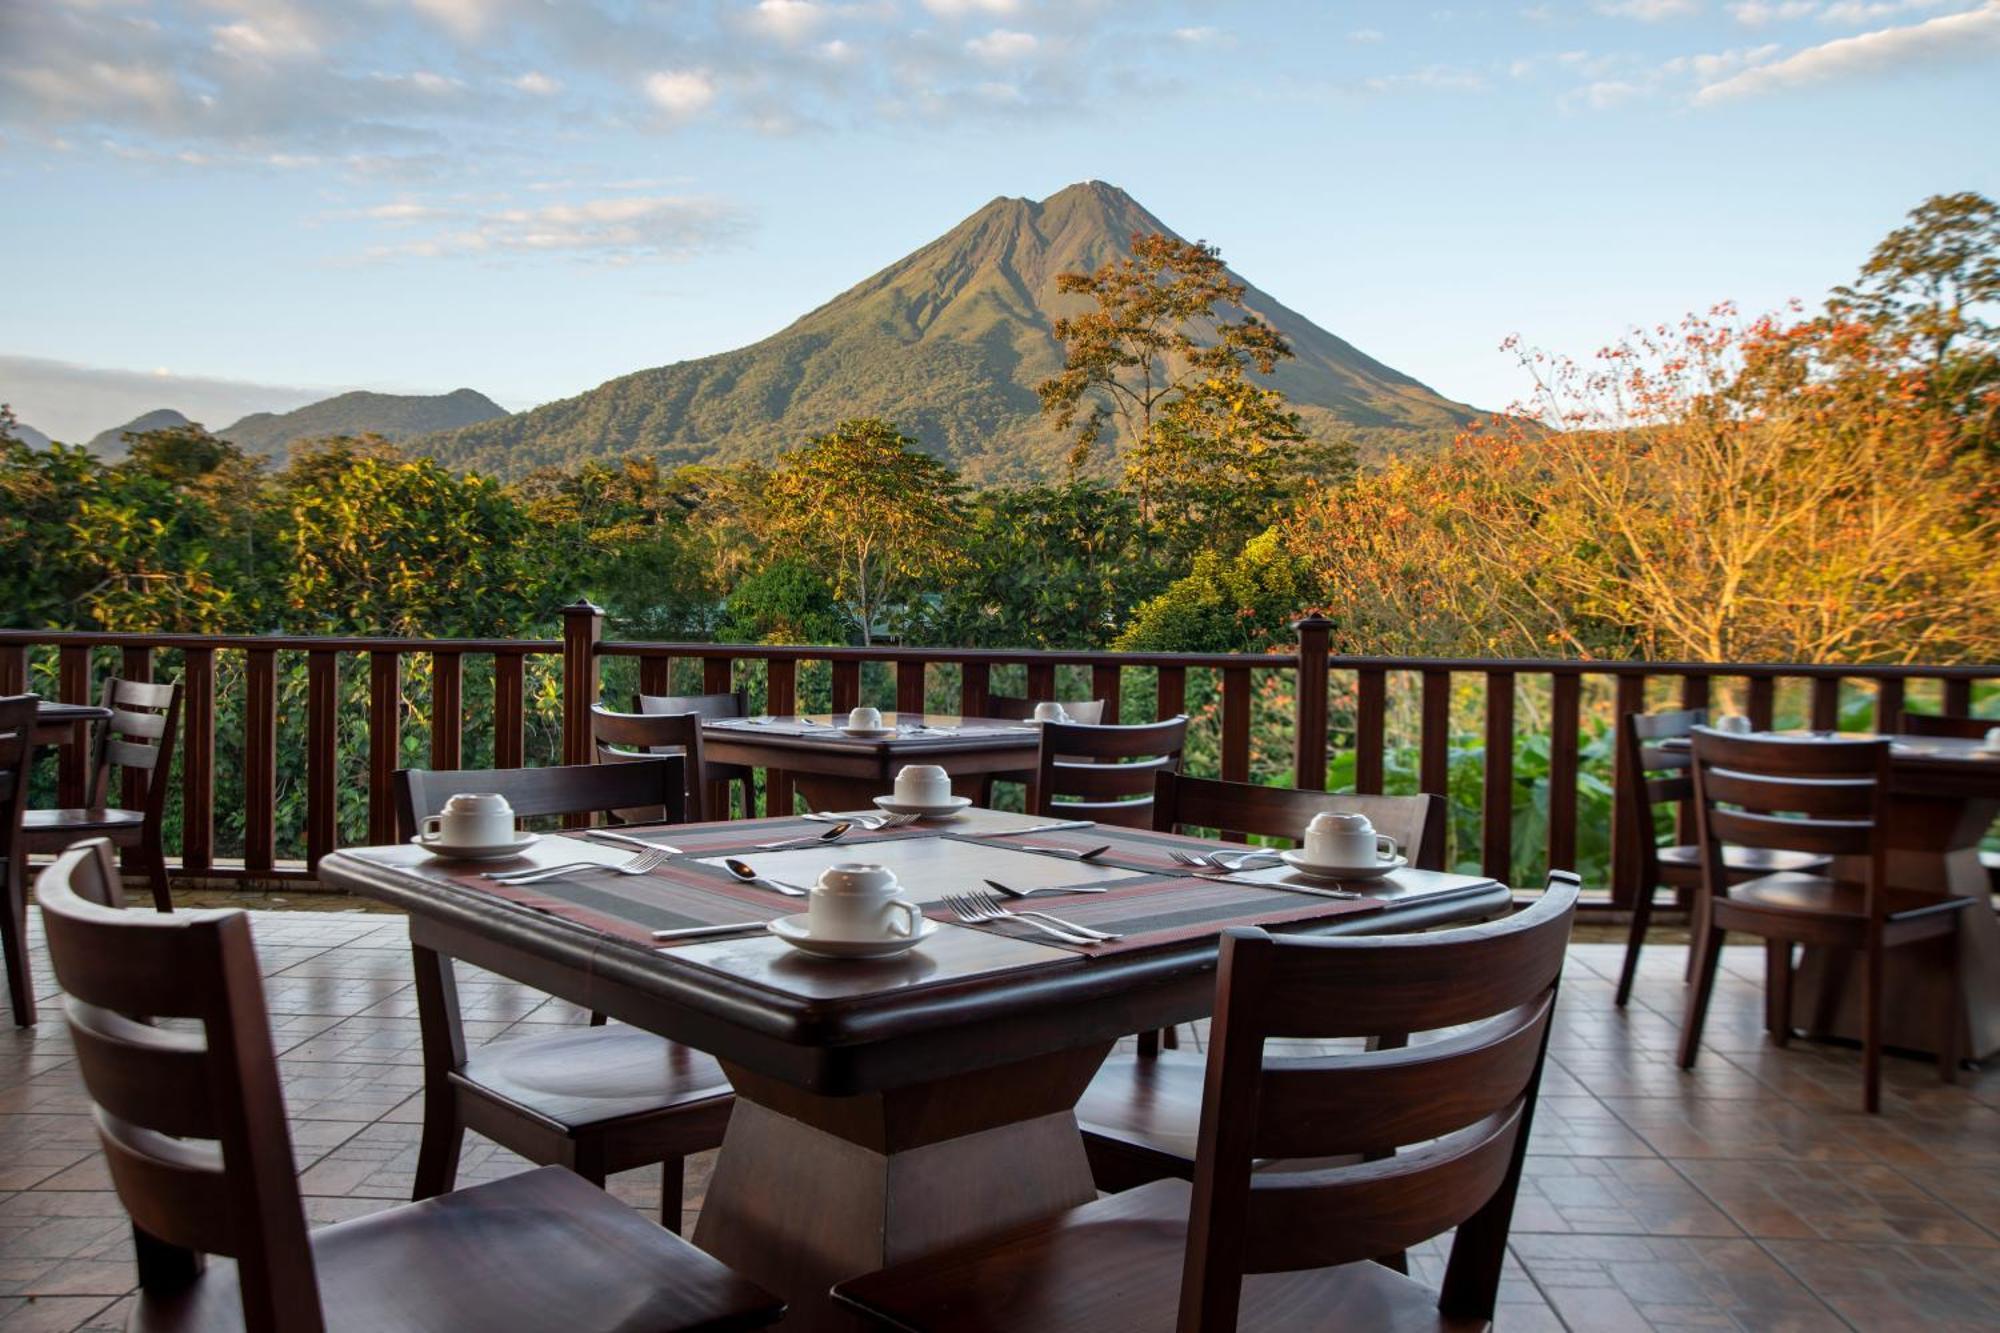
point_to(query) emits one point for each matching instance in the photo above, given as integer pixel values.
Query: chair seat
(100, 820)
(1746, 860)
(534, 1252)
(1116, 1264)
(1831, 905)
(1141, 1116)
(591, 1076)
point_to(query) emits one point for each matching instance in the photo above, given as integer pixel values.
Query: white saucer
(794, 931)
(1297, 861)
(451, 852)
(949, 810)
(867, 733)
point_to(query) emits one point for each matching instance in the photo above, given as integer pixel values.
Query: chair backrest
(1957, 726)
(1826, 797)
(1655, 776)
(1113, 783)
(17, 748)
(1465, 1101)
(1087, 711)
(139, 738)
(191, 1117)
(734, 704)
(624, 737)
(653, 787)
(1417, 823)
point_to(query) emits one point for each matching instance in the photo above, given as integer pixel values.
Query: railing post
(1309, 751)
(583, 630)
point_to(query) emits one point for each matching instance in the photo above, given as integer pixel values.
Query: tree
(783, 603)
(1047, 566)
(1931, 278)
(1226, 604)
(874, 515)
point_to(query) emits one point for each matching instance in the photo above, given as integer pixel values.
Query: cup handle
(431, 826)
(1385, 847)
(910, 917)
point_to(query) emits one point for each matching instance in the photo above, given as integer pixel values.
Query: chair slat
(1179, 801)
(1834, 798)
(570, 789)
(141, 694)
(175, 1189)
(148, 1076)
(148, 726)
(1821, 837)
(126, 754)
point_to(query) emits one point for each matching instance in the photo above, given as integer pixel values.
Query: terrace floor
(1751, 1194)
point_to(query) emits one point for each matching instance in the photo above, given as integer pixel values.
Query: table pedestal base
(809, 1190)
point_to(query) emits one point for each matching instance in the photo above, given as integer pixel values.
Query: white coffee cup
(1993, 738)
(1340, 838)
(1050, 712)
(859, 901)
(922, 784)
(1734, 723)
(865, 719)
(472, 819)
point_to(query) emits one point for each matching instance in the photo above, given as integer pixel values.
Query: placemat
(679, 894)
(727, 836)
(1133, 849)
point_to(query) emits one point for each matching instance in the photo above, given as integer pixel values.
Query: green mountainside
(111, 443)
(949, 344)
(392, 416)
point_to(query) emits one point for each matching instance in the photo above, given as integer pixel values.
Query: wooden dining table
(59, 723)
(833, 770)
(890, 1108)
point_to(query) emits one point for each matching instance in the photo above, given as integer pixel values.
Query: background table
(884, 1109)
(58, 723)
(835, 771)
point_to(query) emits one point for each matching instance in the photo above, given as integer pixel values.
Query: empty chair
(1964, 727)
(599, 1099)
(192, 1123)
(1090, 711)
(732, 704)
(17, 746)
(1826, 798)
(1141, 1115)
(1105, 773)
(139, 738)
(1675, 866)
(1252, 1245)
(623, 737)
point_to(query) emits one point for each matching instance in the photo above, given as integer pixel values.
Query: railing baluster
(910, 677)
(1497, 809)
(135, 664)
(1958, 696)
(260, 758)
(447, 709)
(1630, 698)
(1565, 759)
(846, 686)
(1826, 703)
(1106, 683)
(1309, 727)
(385, 736)
(1041, 681)
(717, 675)
(975, 684)
(583, 630)
(781, 697)
(1763, 704)
(510, 714)
(1172, 691)
(656, 674)
(73, 761)
(13, 668)
(1434, 753)
(1889, 705)
(198, 761)
(1694, 692)
(322, 755)
(1371, 714)
(1235, 730)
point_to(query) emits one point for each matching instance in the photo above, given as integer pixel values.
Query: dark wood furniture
(884, 1109)
(1141, 1114)
(598, 1100)
(736, 703)
(17, 747)
(1105, 773)
(624, 737)
(1270, 1235)
(193, 1126)
(1661, 777)
(137, 738)
(60, 723)
(1824, 798)
(1088, 711)
(833, 771)
(1965, 727)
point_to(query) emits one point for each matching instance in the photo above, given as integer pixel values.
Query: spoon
(833, 834)
(743, 872)
(1064, 851)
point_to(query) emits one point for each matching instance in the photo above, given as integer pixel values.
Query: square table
(890, 1108)
(835, 771)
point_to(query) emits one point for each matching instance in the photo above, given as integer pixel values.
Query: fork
(641, 864)
(975, 908)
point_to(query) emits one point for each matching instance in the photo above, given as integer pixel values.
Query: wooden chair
(1141, 1114)
(17, 748)
(1090, 711)
(1675, 866)
(1825, 798)
(1253, 1247)
(1105, 773)
(139, 738)
(598, 1100)
(1964, 727)
(193, 1126)
(733, 704)
(650, 735)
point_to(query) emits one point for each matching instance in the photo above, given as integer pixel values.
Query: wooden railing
(1384, 703)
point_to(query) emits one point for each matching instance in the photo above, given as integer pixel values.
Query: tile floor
(1749, 1194)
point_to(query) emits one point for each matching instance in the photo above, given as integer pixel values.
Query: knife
(626, 839)
(704, 932)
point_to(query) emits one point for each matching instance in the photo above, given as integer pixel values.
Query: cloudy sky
(228, 205)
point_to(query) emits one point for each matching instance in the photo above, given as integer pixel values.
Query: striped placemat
(680, 894)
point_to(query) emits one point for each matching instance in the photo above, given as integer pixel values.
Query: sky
(235, 205)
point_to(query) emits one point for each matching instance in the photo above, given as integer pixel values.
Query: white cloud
(1649, 11)
(952, 9)
(1709, 67)
(1538, 13)
(537, 83)
(466, 18)
(1757, 13)
(1199, 36)
(681, 92)
(1867, 11)
(1607, 93)
(617, 228)
(1365, 36)
(1435, 78)
(788, 20)
(74, 402)
(1003, 45)
(1952, 39)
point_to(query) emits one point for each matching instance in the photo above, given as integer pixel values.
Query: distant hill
(392, 416)
(949, 343)
(111, 443)
(29, 436)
